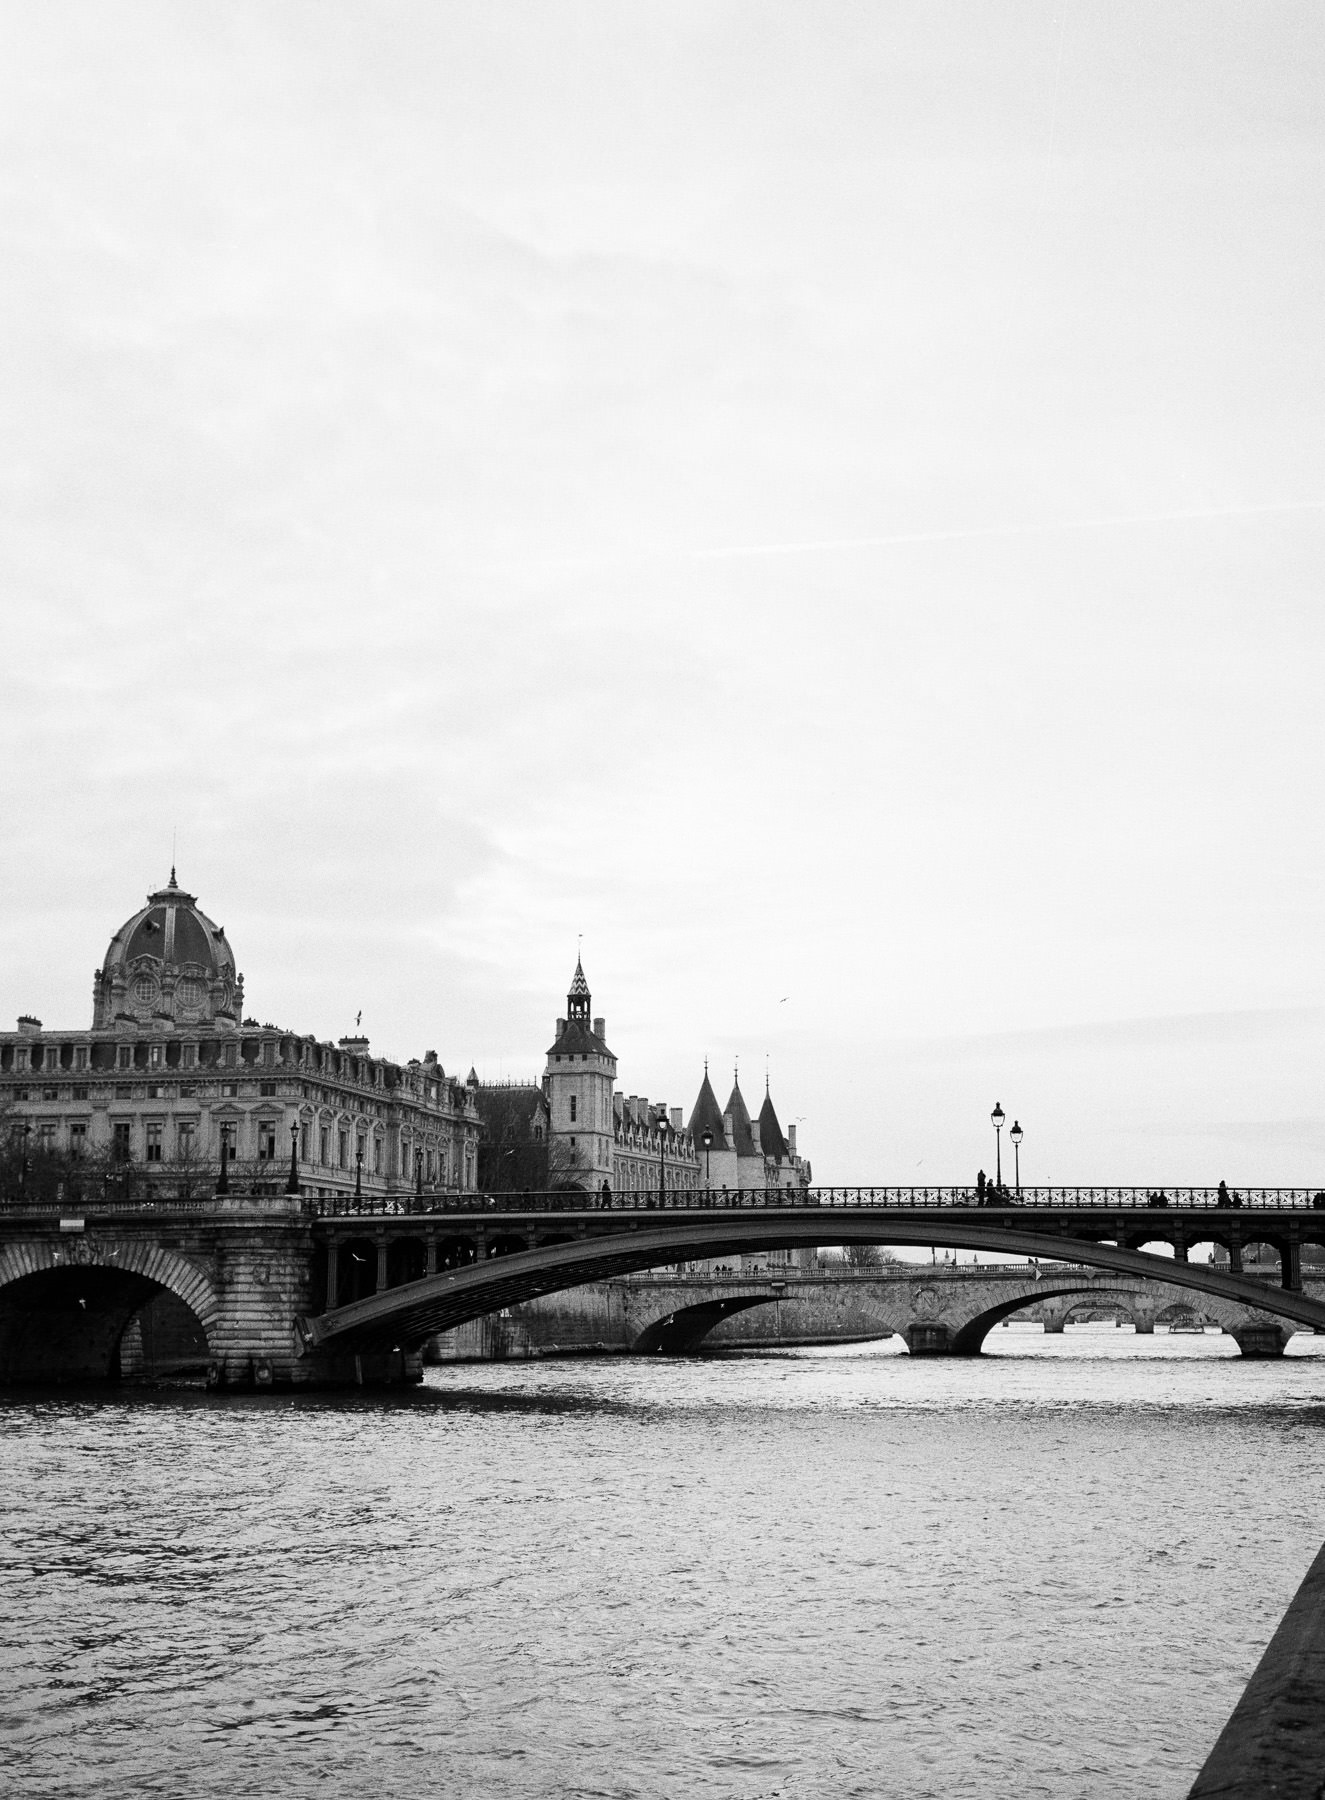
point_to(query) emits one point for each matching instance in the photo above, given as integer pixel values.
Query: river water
(1045, 1572)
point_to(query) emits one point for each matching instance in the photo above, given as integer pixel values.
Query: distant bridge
(933, 1309)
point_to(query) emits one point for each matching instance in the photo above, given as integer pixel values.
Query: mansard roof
(771, 1140)
(708, 1113)
(742, 1130)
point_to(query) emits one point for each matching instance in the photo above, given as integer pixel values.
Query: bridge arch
(967, 1337)
(409, 1315)
(93, 1310)
(680, 1333)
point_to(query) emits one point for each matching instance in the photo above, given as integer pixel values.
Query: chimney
(28, 1025)
(791, 1139)
(600, 1029)
(676, 1118)
(561, 1026)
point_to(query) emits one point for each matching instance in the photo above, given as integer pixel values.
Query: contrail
(957, 534)
(899, 539)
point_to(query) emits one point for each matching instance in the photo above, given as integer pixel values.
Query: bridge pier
(1260, 1340)
(929, 1338)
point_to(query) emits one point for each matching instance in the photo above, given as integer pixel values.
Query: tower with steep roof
(579, 1081)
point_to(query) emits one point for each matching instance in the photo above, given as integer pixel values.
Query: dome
(168, 961)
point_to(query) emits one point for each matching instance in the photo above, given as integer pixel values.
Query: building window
(153, 1091)
(78, 1093)
(573, 1108)
(229, 1056)
(267, 1089)
(266, 1140)
(189, 1056)
(154, 1056)
(186, 1141)
(303, 1143)
(229, 1090)
(50, 1093)
(324, 1146)
(228, 1138)
(80, 1058)
(187, 1090)
(46, 1136)
(126, 1056)
(120, 1141)
(377, 1156)
(153, 1150)
(77, 1137)
(343, 1148)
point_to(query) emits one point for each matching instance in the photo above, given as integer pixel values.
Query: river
(1044, 1572)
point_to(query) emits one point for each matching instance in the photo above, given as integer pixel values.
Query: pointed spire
(579, 999)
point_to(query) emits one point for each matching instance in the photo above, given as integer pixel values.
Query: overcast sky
(827, 501)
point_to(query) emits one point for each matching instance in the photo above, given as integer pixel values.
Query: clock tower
(579, 1081)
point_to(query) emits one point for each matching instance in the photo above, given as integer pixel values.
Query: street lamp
(662, 1158)
(706, 1138)
(292, 1184)
(996, 1119)
(1016, 1135)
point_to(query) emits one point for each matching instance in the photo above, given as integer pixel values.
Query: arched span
(681, 1332)
(969, 1336)
(66, 1310)
(407, 1316)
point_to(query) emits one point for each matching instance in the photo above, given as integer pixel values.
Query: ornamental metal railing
(262, 1184)
(688, 1201)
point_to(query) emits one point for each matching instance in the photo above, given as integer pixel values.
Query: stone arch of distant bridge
(64, 1306)
(967, 1334)
(680, 1333)
(404, 1317)
(923, 1314)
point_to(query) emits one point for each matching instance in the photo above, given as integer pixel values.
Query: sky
(824, 504)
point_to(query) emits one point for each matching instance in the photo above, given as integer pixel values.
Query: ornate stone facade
(171, 1071)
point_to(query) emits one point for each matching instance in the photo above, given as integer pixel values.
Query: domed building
(172, 1082)
(168, 962)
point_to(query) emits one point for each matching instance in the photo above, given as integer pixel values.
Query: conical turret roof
(740, 1117)
(771, 1140)
(707, 1113)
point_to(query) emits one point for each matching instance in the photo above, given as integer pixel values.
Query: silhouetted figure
(980, 1188)
(1223, 1194)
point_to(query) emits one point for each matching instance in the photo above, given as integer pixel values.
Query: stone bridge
(278, 1290)
(935, 1311)
(207, 1289)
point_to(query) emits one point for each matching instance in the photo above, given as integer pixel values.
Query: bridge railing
(688, 1201)
(684, 1202)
